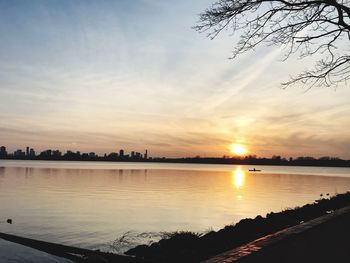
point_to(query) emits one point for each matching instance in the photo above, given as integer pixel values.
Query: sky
(107, 75)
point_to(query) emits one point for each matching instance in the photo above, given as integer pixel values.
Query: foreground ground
(329, 242)
(190, 247)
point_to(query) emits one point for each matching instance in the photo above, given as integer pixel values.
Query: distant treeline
(248, 160)
(253, 160)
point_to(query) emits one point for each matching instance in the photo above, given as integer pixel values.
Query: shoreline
(323, 239)
(195, 247)
(190, 161)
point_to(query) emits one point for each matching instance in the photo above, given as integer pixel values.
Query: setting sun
(238, 149)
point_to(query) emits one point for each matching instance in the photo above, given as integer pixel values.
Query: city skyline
(133, 156)
(77, 75)
(124, 155)
(29, 152)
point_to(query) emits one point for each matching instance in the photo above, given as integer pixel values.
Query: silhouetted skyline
(123, 156)
(31, 154)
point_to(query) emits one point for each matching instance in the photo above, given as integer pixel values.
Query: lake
(91, 204)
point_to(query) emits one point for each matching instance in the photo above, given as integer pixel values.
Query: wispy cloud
(102, 75)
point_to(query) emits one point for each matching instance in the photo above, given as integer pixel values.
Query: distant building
(92, 155)
(19, 153)
(121, 153)
(146, 155)
(133, 154)
(46, 154)
(31, 152)
(3, 152)
(27, 151)
(112, 156)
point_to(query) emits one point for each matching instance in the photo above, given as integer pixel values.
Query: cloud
(131, 74)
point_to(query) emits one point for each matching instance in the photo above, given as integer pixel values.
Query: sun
(238, 149)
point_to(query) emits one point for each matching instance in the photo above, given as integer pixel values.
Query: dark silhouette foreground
(192, 247)
(326, 243)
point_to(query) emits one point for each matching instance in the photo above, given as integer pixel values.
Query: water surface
(89, 204)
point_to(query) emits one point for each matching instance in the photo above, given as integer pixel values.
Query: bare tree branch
(306, 27)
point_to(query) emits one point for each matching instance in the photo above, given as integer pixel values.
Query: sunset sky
(105, 75)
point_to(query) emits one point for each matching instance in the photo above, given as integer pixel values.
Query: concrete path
(324, 239)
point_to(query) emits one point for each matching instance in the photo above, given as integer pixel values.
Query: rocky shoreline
(194, 247)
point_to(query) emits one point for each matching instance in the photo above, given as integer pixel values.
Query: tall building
(121, 153)
(146, 155)
(3, 152)
(27, 151)
(31, 152)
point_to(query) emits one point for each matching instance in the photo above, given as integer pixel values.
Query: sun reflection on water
(238, 178)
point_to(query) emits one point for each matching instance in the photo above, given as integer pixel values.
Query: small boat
(254, 170)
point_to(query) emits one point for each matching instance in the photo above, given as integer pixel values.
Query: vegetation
(192, 247)
(248, 160)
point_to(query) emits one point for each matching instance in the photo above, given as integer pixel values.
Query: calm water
(90, 204)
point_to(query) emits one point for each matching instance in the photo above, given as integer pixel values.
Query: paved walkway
(325, 239)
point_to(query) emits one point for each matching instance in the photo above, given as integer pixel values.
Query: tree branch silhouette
(306, 27)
